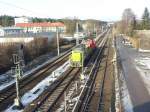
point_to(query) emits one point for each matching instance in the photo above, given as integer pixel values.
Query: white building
(80, 35)
(23, 20)
(42, 27)
(4, 31)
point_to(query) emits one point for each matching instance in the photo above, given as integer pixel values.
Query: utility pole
(57, 41)
(94, 27)
(18, 74)
(102, 28)
(77, 32)
(95, 30)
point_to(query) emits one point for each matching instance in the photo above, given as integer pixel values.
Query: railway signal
(18, 73)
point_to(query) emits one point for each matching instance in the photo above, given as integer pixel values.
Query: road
(137, 90)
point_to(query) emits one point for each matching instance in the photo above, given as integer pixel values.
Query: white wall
(18, 39)
(23, 20)
(1, 32)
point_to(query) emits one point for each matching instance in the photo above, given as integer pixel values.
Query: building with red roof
(41, 27)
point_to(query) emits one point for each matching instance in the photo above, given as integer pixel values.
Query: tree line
(129, 22)
(6, 20)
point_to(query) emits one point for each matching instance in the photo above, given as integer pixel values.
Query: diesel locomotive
(81, 53)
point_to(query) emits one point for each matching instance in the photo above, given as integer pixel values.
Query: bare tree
(128, 21)
(90, 24)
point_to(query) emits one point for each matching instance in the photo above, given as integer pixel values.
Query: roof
(44, 24)
(11, 28)
(30, 34)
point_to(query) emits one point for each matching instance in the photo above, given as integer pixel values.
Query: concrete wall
(144, 32)
(141, 39)
(144, 43)
(135, 42)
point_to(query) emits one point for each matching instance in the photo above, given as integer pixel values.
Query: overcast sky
(82, 9)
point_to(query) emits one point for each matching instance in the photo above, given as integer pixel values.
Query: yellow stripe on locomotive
(77, 57)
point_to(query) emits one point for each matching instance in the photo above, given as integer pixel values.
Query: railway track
(101, 88)
(48, 99)
(83, 104)
(7, 95)
(74, 90)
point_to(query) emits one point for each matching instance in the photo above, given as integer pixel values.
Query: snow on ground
(143, 66)
(117, 91)
(117, 88)
(38, 89)
(125, 96)
(6, 85)
(8, 78)
(142, 50)
(123, 99)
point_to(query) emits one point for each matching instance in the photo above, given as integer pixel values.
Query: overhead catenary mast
(95, 31)
(77, 32)
(18, 74)
(19, 63)
(58, 50)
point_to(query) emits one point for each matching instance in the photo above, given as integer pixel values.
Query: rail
(88, 82)
(49, 98)
(8, 94)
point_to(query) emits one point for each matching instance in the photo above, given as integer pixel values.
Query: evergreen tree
(6, 20)
(146, 20)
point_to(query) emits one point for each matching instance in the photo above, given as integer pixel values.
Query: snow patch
(143, 66)
(142, 50)
(7, 79)
(3, 86)
(125, 96)
(143, 61)
(117, 88)
(39, 88)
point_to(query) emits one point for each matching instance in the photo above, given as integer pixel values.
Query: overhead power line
(13, 5)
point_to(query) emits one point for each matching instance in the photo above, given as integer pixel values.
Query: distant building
(80, 35)
(23, 20)
(42, 27)
(4, 31)
(110, 23)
